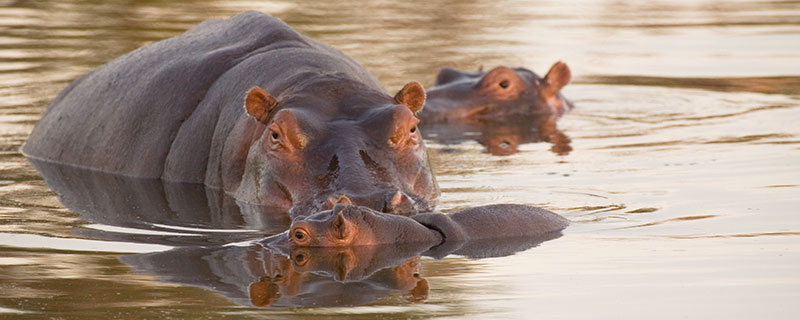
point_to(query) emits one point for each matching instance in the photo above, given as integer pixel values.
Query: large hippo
(500, 92)
(252, 107)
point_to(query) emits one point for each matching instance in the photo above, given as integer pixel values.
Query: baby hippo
(498, 93)
(348, 225)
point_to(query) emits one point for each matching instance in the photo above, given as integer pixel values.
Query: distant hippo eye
(275, 135)
(414, 129)
(299, 235)
(504, 84)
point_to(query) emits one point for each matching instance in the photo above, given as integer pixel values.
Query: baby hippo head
(344, 225)
(349, 225)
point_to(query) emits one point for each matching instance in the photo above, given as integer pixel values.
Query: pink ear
(340, 225)
(558, 77)
(412, 96)
(259, 104)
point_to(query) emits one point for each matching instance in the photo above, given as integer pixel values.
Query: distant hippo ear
(447, 75)
(558, 77)
(259, 104)
(412, 96)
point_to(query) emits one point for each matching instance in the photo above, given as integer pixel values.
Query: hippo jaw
(305, 162)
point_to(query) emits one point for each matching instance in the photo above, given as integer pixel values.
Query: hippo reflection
(286, 276)
(249, 106)
(200, 223)
(502, 136)
(163, 208)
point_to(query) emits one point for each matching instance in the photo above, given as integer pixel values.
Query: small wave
(789, 85)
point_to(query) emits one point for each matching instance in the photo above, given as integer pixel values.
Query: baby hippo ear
(264, 293)
(259, 104)
(557, 77)
(412, 96)
(340, 226)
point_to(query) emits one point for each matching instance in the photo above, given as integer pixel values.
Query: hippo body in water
(316, 127)
(347, 225)
(499, 93)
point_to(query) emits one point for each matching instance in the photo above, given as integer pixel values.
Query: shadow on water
(502, 137)
(201, 223)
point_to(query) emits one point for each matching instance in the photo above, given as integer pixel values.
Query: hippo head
(340, 227)
(499, 92)
(349, 225)
(337, 141)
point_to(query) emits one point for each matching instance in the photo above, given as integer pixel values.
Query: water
(682, 176)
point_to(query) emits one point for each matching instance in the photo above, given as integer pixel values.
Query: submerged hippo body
(315, 124)
(347, 225)
(500, 92)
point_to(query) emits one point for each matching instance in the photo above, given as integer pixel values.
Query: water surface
(681, 178)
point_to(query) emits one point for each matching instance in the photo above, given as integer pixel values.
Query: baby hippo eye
(504, 84)
(414, 129)
(301, 259)
(299, 236)
(275, 135)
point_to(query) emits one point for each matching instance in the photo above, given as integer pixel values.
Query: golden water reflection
(683, 109)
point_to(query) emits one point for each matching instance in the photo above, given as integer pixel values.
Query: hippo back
(164, 110)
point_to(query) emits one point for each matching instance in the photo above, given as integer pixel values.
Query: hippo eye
(504, 84)
(299, 235)
(275, 135)
(414, 129)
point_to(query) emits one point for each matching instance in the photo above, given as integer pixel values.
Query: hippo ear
(259, 104)
(558, 77)
(340, 226)
(264, 293)
(412, 96)
(420, 292)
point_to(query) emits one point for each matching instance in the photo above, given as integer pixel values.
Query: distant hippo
(500, 92)
(348, 225)
(316, 128)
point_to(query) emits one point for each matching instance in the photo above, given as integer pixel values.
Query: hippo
(500, 92)
(249, 106)
(349, 225)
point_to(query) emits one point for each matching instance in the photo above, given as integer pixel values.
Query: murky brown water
(683, 178)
